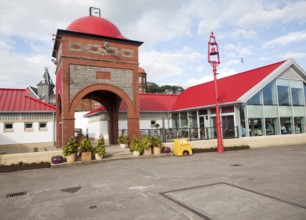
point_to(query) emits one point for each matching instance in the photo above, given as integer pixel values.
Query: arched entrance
(110, 97)
(98, 64)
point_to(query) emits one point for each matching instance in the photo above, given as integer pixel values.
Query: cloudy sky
(175, 35)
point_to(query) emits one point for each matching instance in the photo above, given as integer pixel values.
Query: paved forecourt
(265, 183)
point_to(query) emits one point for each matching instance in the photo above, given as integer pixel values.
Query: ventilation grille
(71, 190)
(16, 194)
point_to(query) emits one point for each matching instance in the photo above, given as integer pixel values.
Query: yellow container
(182, 147)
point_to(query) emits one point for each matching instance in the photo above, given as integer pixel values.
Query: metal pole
(220, 147)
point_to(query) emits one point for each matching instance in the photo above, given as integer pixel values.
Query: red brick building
(94, 61)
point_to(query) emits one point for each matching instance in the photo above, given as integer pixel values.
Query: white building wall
(19, 135)
(81, 121)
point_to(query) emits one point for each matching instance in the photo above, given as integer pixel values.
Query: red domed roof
(95, 25)
(141, 70)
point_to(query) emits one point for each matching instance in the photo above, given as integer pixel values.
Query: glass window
(298, 125)
(42, 126)
(305, 93)
(242, 121)
(175, 120)
(203, 112)
(184, 122)
(28, 126)
(297, 96)
(286, 126)
(255, 100)
(8, 126)
(297, 92)
(283, 92)
(270, 126)
(192, 119)
(228, 129)
(255, 127)
(227, 109)
(269, 94)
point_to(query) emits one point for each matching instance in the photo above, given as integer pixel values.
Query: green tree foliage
(154, 88)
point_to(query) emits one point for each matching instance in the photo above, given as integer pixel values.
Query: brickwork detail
(99, 49)
(103, 75)
(83, 76)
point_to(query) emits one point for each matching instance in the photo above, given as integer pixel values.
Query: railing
(169, 134)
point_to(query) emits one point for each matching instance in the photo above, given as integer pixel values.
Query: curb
(110, 158)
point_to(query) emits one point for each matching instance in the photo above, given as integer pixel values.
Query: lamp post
(214, 60)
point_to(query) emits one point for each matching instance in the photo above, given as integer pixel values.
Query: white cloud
(296, 55)
(260, 14)
(287, 39)
(242, 33)
(237, 51)
(162, 64)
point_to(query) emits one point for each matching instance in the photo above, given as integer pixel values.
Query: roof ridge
(261, 67)
(38, 100)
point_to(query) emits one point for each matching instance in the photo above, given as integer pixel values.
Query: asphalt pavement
(265, 183)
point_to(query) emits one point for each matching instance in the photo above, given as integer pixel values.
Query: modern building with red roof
(268, 100)
(24, 119)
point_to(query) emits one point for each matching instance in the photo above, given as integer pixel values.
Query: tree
(154, 88)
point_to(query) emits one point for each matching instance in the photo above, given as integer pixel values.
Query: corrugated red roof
(147, 103)
(230, 88)
(19, 100)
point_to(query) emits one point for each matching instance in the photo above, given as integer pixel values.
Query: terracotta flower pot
(156, 150)
(71, 158)
(86, 156)
(147, 151)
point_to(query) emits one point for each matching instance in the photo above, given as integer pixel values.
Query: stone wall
(83, 76)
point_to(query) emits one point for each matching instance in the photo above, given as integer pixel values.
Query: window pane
(255, 100)
(42, 125)
(8, 126)
(297, 98)
(255, 127)
(286, 126)
(28, 125)
(305, 92)
(269, 94)
(283, 95)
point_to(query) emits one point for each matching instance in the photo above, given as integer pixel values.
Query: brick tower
(94, 61)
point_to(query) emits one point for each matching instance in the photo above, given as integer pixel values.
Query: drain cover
(93, 207)
(236, 165)
(16, 194)
(71, 190)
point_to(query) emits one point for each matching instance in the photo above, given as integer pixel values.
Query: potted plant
(70, 150)
(156, 143)
(85, 149)
(136, 147)
(99, 149)
(146, 144)
(123, 140)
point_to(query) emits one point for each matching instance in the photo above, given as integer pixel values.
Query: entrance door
(228, 128)
(202, 127)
